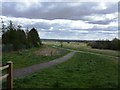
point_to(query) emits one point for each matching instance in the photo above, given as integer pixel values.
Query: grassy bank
(29, 57)
(81, 71)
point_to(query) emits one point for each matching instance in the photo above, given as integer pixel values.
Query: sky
(65, 19)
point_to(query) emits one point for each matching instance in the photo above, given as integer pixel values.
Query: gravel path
(38, 67)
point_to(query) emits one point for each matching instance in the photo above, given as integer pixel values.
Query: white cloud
(101, 6)
(67, 29)
(80, 25)
(51, 28)
(73, 4)
(104, 17)
(111, 16)
(113, 24)
(61, 0)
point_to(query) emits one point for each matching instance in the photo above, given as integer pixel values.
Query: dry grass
(48, 51)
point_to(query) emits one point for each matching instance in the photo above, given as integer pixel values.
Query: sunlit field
(83, 47)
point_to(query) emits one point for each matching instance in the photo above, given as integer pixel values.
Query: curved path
(37, 67)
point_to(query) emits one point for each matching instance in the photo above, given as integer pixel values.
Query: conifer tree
(33, 38)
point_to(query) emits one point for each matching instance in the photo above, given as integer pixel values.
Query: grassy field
(83, 47)
(81, 71)
(32, 56)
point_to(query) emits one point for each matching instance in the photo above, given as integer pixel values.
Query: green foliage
(17, 39)
(113, 45)
(33, 38)
(27, 57)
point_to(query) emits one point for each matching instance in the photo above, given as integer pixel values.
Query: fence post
(10, 76)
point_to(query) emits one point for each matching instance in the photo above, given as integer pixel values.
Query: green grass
(27, 57)
(83, 47)
(81, 71)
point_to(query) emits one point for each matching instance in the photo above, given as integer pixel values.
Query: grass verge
(28, 57)
(81, 71)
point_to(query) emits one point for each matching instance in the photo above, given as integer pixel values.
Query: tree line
(16, 38)
(106, 44)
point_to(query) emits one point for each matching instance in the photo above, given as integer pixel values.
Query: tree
(115, 44)
(3, 26)
(17, 39)
(21, 35)
(9, 35)
(33, 38)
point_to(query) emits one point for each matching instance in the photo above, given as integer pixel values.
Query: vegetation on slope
(29, 57)
(81, 71)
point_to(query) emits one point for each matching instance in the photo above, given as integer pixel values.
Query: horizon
(77, 39)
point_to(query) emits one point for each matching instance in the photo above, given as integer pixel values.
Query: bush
(113, 45)
(16, 39)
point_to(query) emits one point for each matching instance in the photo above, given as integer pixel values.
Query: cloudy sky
(65, 20)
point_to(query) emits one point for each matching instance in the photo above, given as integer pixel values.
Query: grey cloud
(111, 8)
(55, 10)
(105, 22)
(64, 11)
(40, 25)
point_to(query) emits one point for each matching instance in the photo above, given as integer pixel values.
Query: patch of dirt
(47, 51)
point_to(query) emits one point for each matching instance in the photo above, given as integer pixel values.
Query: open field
(81, 71)
(64, 44)
(83, 47)
(32, 56)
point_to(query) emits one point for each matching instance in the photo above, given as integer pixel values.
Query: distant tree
(19, 27)
(106, 44)
(33, 38)
(115, 44)
(61, 43)
(10, 26)
(68, 42)
(3, 26)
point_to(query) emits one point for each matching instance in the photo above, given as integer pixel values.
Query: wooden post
(10, 76)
